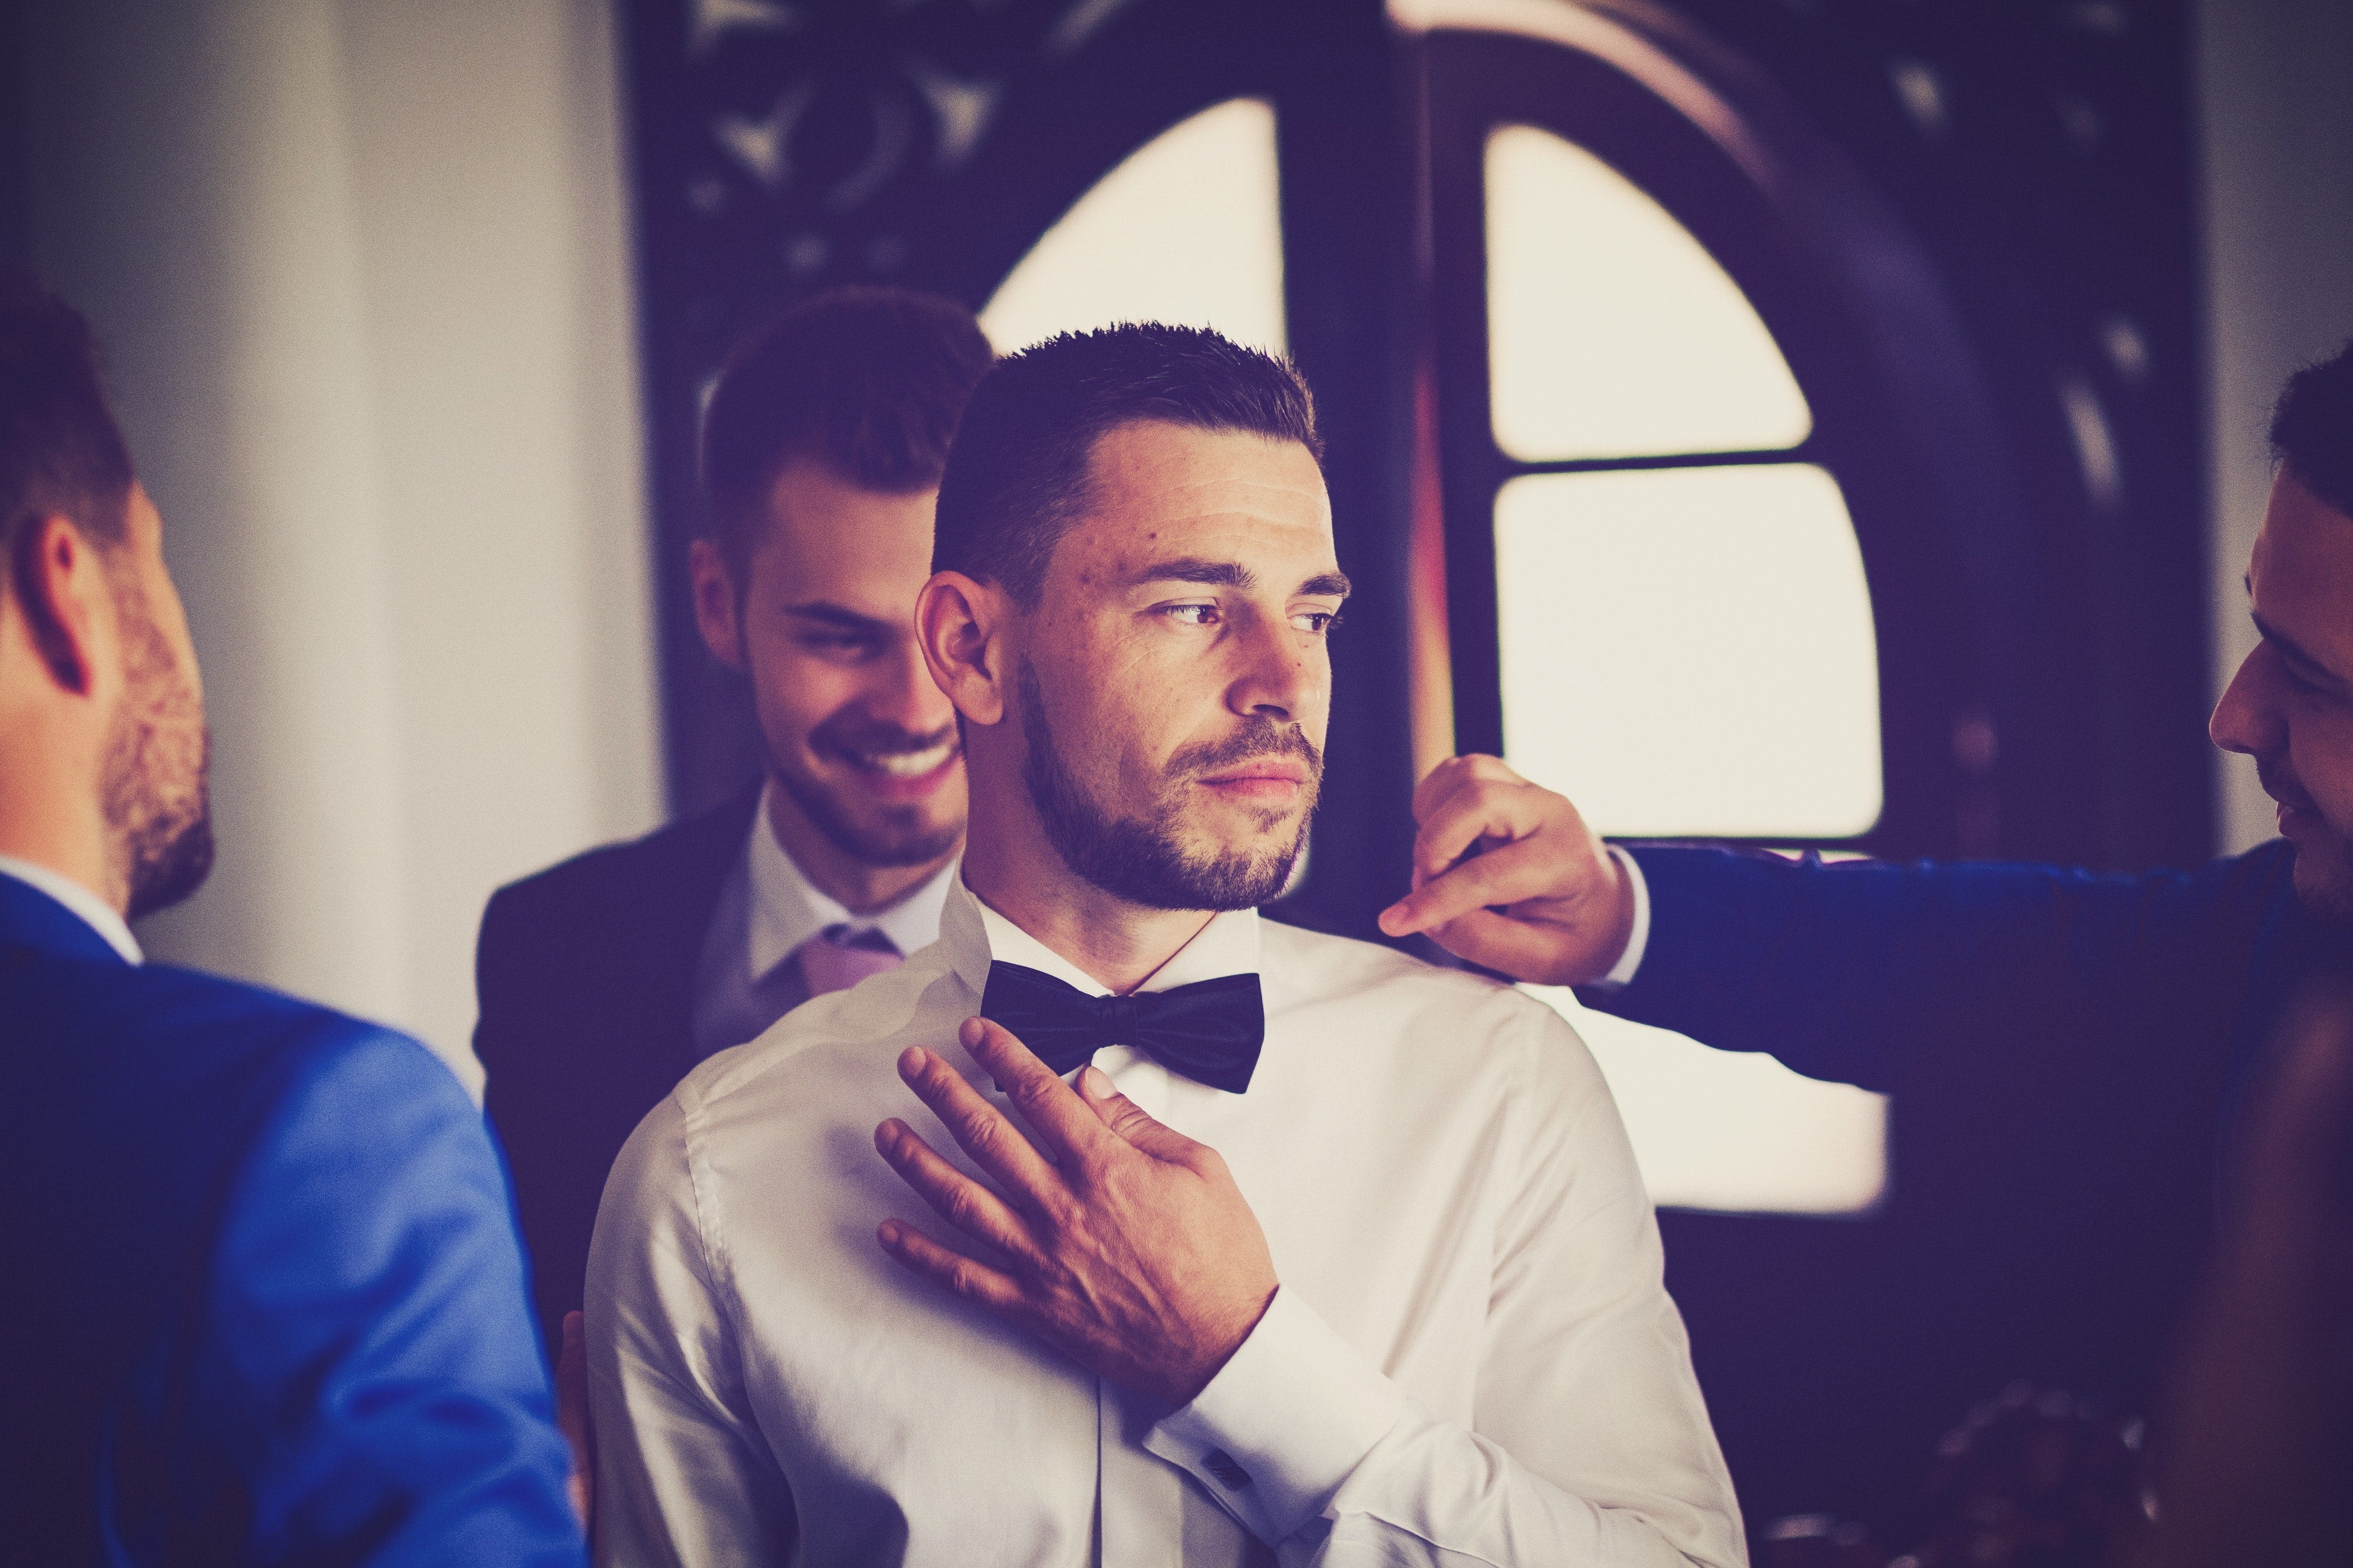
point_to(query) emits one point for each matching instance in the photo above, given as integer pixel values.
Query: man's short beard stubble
(154, 790)
(899, 834)
(2324, 871)
(1140, 860)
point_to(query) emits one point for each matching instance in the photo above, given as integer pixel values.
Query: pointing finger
(980, 1128)
(968, 1278)
(1044, 1101)
(955, 1197)
(1500, 878)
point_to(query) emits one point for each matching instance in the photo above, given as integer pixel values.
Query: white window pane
(1188, 231)
(1690, 651)
(1732, 1131)
(1611, 331)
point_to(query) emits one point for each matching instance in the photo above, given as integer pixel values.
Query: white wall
(362, 272)
(2276, 88)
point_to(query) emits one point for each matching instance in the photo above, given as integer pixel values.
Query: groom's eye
(1192, 615)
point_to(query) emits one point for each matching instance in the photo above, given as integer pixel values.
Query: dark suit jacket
(263, 1301)
(1869, 973)
(586, 975)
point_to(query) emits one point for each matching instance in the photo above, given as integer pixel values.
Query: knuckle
(961, 1208)
(980, 1135)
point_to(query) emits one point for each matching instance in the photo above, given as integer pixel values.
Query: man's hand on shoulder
(1507, 875)
(1126, 1245)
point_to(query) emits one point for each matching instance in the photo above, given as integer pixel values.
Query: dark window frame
(1930, 655)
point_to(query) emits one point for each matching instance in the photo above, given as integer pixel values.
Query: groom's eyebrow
(1233, 574)
(1195, 569)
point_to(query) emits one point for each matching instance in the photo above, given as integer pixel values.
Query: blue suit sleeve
(1860, 972)
(370, 1343)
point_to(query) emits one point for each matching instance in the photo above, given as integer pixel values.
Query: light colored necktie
(838, 958)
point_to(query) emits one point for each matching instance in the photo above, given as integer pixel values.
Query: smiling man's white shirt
(1472, 1357)
(766, 909)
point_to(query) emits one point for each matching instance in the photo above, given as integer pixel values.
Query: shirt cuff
(1621, 974)
(1287, 1418)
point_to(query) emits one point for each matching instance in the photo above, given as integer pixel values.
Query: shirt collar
(787, 909)
(95, 911)
(976, 935)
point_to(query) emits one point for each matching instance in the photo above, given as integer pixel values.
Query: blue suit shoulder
(284, 1312)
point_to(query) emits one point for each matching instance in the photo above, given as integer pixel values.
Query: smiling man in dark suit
(604, 980)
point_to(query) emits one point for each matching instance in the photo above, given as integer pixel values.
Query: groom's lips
(1268, 781)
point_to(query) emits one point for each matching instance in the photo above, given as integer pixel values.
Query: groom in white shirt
(1252, 1245)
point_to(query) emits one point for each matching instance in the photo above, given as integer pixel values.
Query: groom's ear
(961, 622)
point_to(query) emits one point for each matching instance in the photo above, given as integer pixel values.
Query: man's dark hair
(868, 381)
(1017, 475)
(61, 453)
(2312, 429)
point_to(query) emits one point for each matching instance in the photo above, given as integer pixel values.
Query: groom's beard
(1143, 860)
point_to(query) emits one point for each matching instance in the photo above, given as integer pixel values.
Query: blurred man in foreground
(604, 980)
(2253, 1457)
(264, 1302)
(1307, 1250)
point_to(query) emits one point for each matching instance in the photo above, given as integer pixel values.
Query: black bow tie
(1210, 1030)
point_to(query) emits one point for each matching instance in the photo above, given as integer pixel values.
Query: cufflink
(1220, 1464)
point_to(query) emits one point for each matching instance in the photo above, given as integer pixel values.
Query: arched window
(1185, 230)
(1685, 627)
(1655, 597)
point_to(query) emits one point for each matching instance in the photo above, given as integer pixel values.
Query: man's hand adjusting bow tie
(1126, 1245)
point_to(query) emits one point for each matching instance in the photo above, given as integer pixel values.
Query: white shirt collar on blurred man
(95, 911)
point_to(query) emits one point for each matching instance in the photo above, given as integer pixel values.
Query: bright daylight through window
(1684, 651)
(1188, 230)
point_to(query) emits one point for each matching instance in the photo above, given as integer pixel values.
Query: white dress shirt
(1472, 1358)
(768, 907)
(95, 911)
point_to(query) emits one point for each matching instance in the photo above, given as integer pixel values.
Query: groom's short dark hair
(1017, 475)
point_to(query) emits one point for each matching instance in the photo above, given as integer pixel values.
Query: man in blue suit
(264, 1301)
(1866, 973)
